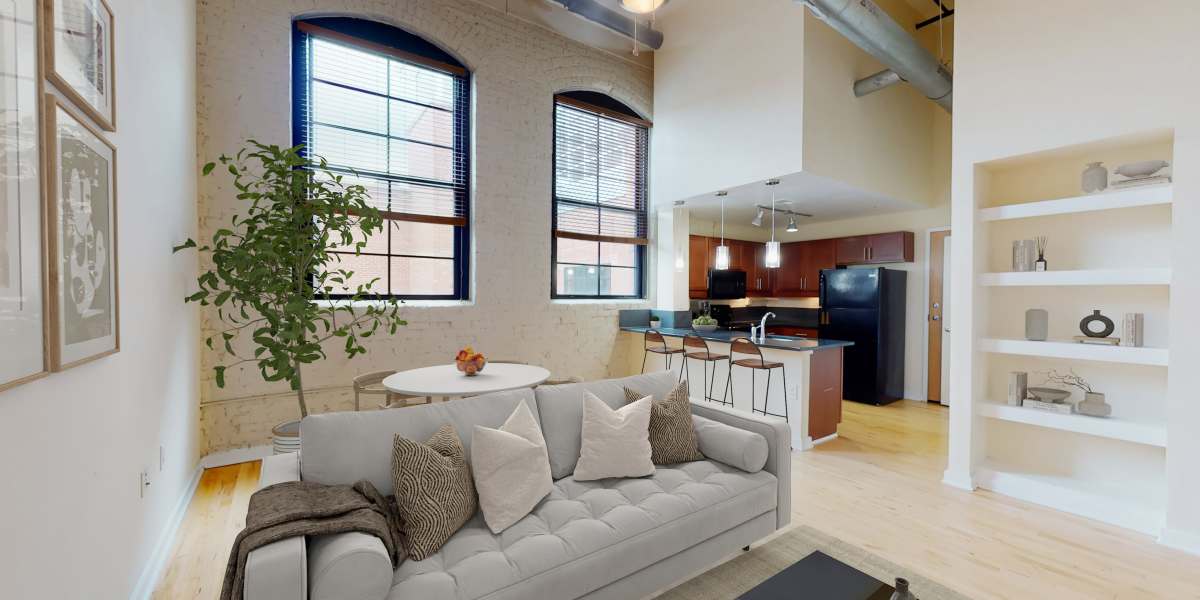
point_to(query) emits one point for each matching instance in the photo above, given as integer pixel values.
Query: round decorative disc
(1096, 325)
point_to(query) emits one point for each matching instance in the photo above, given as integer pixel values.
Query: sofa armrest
(730, 445)
(779, 448)
(278, 571)
(348, 565)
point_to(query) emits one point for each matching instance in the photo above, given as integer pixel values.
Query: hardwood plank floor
(878, 486)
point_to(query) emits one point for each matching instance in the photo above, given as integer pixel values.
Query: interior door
(938, 352)
(944, 384)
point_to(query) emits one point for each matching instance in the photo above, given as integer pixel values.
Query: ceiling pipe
(873, 83)
(603, 16)
(870, 28)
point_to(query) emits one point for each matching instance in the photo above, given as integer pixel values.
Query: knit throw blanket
(295, 508)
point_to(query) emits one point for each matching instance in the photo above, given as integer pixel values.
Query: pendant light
(722, 261)
(771, 258)
(641, 7)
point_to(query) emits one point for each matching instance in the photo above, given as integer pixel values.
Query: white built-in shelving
(1096, 352)
(1116, 429)
(1097, 277)
(1150, 195)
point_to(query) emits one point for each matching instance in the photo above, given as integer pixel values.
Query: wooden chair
(755, 362)
(372, 384)
(655, 342)
(696, 348)
(551, 381)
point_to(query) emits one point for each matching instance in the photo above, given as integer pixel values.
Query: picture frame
(81, 238)
(23, 299)
(77, 41)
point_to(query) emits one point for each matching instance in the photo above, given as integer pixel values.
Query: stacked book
(1100, 341)
(1140, 181)
(1055, 407)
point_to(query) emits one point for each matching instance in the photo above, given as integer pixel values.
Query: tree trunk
(300, 391)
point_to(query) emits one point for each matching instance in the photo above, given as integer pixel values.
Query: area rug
(741, 573)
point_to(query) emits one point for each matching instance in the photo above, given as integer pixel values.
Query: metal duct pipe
(871, 29)
(873, 83)
(599, 14)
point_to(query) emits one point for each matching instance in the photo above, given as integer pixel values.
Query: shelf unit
(1119, 354)
(1123, 506)
(1150, 195)
(1098, 277)
(1116, 429)
(1110, 469)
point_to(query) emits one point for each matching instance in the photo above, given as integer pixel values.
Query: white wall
(1024, 85)
(244, 70)
(73, 443)
(728, 93)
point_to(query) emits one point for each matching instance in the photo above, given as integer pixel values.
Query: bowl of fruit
(704, 324)
(469, 361)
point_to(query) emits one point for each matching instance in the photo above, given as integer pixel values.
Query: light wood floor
(876, 486)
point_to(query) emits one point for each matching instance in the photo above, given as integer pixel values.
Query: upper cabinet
(875, 249)
(698, 264)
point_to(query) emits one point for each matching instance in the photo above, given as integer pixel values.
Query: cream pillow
(616, 443)
(511, 468)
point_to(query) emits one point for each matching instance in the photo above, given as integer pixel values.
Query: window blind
(391, 121)
(599, 174)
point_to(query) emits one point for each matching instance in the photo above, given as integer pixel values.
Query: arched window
(599, 233)
(391, 111)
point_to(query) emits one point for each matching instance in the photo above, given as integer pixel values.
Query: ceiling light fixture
(771, 258)
(722, 261)
(791, 228)
(642, 7)
(757, 220)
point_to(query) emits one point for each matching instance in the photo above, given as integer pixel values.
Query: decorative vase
(285, 437)
(1095, 178)
(1093, 405)
(902, 592)
(1037, 324)
(1039, 265)
(1096, 317)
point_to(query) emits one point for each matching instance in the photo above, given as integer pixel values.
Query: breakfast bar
(812, 368)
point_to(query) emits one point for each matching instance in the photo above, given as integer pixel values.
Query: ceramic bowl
(704, 328)
(1144, 168)
(1049, 394)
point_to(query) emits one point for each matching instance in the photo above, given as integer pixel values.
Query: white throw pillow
(616, 443)
(511, 468)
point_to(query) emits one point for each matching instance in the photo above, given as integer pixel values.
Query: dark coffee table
(820, 577)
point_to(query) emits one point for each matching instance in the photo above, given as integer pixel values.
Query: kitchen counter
(776, 342)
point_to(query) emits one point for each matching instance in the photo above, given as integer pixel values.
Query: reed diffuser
(1040, 263)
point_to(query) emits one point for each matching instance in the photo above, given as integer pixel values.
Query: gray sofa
(615, 538)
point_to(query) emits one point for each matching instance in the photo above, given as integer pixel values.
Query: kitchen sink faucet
(762, 327)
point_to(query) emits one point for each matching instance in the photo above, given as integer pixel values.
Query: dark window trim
(642, 167)
(375, 37)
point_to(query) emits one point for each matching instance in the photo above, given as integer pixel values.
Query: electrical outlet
(143, 483)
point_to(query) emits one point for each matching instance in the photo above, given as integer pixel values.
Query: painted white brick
(243, 80)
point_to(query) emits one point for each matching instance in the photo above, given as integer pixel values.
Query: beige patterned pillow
(672, 437)
(435, 494)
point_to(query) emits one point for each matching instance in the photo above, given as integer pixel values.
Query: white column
(671, 246)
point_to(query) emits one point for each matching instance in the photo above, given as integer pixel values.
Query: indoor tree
(271, 275)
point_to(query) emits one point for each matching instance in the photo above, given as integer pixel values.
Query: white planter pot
(285, 437)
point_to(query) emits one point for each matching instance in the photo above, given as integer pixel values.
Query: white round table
(447, 380)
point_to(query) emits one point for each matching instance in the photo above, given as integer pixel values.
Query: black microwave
(726, 284)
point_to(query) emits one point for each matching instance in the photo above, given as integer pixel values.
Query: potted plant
(1093, 402)
(269, 274)
(704, 324)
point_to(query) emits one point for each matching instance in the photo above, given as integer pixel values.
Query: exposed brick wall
(244, 72)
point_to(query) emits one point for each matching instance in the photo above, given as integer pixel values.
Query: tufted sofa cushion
(587, 534)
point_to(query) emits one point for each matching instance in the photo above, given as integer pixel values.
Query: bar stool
(755, 362)
(702, 353)
(656, 343)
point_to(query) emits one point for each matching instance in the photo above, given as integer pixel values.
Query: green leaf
(219, 372)
(208, 168)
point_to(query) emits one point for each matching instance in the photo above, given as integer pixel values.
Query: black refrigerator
(866, 306)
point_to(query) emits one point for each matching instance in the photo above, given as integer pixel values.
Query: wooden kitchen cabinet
(698, 264)
(789, 277)
(818, 255)
(875, 249)
(792, 331)
(760, 282)
(824, 393)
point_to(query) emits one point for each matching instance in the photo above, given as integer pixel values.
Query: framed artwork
(81, 238)
(78, 41)
(22, 296)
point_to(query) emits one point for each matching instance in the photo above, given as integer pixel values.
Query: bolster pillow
(735, 447)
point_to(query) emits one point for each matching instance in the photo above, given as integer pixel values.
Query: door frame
(925, 310)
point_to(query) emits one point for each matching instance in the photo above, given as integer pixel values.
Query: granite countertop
(777, 342)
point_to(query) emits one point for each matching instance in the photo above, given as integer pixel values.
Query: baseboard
(958, 480)
(1180, 540)
(153, 570)
(234, 456)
